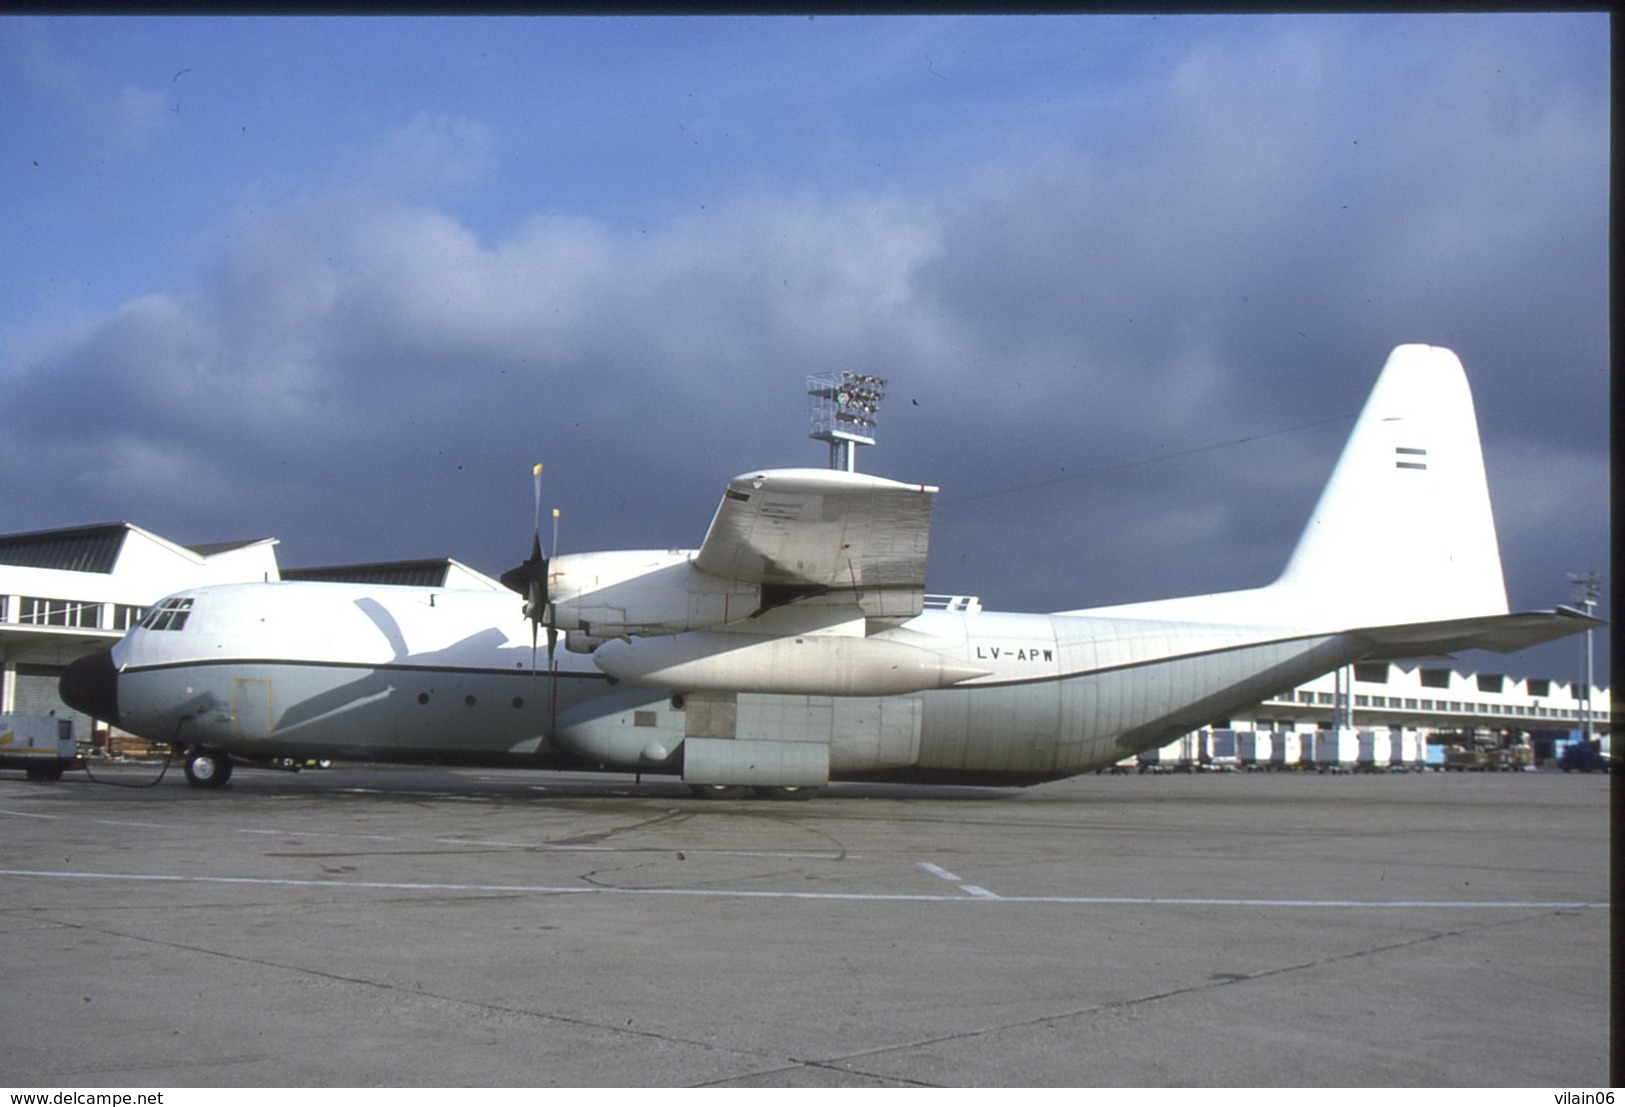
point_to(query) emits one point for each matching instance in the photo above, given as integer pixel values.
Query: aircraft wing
(1501, 633)
(816, 529)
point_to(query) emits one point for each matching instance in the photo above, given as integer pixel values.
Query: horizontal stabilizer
(1501, 633)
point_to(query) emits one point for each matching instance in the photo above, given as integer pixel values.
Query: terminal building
(66, 593)
(1382, 715)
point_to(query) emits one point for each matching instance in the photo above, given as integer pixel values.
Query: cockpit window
(169, 615)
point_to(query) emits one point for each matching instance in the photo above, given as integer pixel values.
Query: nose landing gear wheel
(207, 768)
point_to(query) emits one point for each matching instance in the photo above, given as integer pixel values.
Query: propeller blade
(552, 674)
(536, 474)
(529, 579)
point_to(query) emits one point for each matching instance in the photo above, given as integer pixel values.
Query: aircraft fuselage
(429, 676)
(794, 648)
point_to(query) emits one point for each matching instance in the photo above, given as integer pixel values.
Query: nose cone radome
(90, 685)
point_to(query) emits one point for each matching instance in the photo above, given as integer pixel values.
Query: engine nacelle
(641, 592)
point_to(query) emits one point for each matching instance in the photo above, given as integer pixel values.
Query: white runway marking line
(953, 878)
(725, 893)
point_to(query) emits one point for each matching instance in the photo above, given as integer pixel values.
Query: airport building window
(59, 613)
(1489, 682)
(169, 615)
(1371, 673)
(1539, 687)
(126, 616)
(1435, 678)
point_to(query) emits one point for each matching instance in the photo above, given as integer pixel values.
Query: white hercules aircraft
(794, 648)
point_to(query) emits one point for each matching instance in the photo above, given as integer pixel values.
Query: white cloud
(138, 115)
(434, 151)
(126, 118)
(1231, 256)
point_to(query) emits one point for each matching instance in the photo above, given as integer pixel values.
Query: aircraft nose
(90, 685)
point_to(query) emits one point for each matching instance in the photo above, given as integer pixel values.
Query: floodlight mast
(843, 407)
(1588, 587)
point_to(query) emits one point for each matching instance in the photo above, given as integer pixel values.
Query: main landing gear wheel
(719, 791)
(786, 792)
(207, 768)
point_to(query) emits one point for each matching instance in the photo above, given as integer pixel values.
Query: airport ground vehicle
(43, 746)
(1584, 757)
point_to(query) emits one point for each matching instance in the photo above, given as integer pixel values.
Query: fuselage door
(251, 708)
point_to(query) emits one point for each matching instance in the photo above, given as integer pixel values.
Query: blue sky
(342, 281)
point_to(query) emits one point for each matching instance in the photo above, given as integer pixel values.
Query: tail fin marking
(1403, 531)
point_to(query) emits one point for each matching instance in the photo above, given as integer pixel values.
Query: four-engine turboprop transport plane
(795, 646)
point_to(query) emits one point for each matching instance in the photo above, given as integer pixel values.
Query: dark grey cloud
(1127, 346)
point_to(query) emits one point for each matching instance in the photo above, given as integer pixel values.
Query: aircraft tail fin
(1403, 531)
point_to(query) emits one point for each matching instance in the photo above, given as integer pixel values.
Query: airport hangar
(66, 593)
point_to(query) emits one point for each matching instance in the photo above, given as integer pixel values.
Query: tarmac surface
(411, 927)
